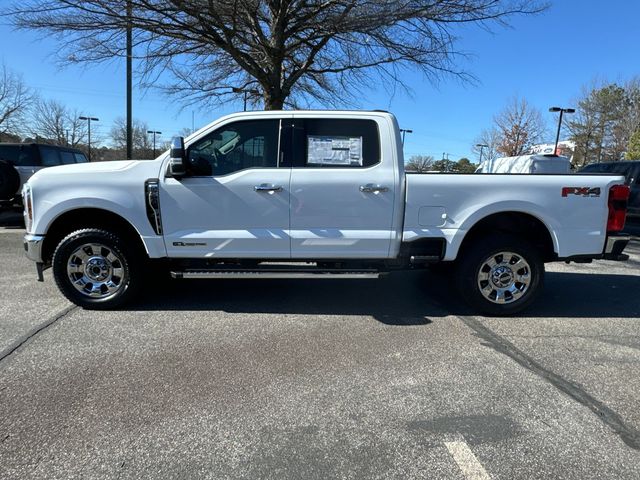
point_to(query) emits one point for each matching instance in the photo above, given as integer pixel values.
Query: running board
(236, 274)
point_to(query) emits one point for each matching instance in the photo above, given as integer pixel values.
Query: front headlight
(27, 201)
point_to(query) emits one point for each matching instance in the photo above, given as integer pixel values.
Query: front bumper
(33, 247)
(615, 246)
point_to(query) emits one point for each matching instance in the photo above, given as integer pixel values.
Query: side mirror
(177, 158)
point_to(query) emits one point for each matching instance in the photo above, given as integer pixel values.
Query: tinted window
(622, 169)
(10, 153)
(80, 158)
(19, 155)
(236, 146)
(336, 143)
(597, 168)
(50, 156)
(67, 158)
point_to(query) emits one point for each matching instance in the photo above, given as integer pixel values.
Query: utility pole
(154, 140)
(561, 110)
(89, 120)
(129, 81)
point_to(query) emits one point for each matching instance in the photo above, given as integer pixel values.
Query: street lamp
(405, 130)
(154, 140)
(89, 120)
(561, 110)
(482, 147)
(245, 91)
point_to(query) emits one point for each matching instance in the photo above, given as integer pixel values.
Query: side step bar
(235, 274)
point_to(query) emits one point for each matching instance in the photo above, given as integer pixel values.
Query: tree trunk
(273, 102)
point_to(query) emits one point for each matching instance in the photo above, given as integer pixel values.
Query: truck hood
(97, 167)
(96, 174)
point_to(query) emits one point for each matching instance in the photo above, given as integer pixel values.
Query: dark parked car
(18, 161)
(631, 171)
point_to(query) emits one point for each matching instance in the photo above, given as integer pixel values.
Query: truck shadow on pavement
(395, 300)
(401, 299)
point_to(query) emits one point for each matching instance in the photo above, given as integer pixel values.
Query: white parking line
(467, 461)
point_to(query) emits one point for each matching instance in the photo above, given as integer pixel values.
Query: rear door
(235, 201)
(342, 192)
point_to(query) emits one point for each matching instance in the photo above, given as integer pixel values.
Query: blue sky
(546, 59)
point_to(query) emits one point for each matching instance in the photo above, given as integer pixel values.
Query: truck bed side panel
(449, 205)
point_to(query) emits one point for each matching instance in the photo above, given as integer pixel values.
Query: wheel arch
(516, 223)
(81, 218)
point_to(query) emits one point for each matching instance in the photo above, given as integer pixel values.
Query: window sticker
(334, 150)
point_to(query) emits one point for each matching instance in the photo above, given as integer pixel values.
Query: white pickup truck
(311, 194)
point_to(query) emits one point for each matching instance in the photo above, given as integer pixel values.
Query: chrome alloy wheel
(504, 277)
(95, 270)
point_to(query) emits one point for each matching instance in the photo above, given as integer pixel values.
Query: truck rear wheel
(500, 274)
(96, 269)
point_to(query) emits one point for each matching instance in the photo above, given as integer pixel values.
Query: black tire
(115, 263)
(479, 283)
(9, 181)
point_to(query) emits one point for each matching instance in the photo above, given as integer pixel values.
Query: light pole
(245, 92)
(405, 130)
(89, 120)
(129, 81)
(154, 140)
(561, 110)
(482, 147)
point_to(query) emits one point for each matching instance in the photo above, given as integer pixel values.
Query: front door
(342, 193)
(235, 201)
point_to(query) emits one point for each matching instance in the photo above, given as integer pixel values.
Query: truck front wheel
(500, 274)
(96, 269)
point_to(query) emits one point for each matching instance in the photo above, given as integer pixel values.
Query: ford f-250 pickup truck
(311, 194)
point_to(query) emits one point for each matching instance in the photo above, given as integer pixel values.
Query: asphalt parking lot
(388, 378)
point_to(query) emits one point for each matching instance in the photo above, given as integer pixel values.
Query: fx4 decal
(581, 191)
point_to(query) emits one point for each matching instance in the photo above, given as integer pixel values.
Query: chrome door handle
(371, 188)
(267, 188)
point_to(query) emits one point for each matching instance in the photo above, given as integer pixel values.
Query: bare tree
(15, 99)
(520, 126)
(490, 140)
(142, 143)
(281, 52)
(419, 163)
(54, 122)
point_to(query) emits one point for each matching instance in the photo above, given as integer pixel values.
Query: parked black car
(631, 171)
(18, 161)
